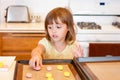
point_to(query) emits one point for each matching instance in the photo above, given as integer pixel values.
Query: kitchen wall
(41, 7)
(36, 7)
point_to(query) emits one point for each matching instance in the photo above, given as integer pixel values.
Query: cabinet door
(104, 49)
(20, 44)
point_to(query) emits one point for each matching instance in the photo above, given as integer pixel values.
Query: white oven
(96, 12)
(106, 34)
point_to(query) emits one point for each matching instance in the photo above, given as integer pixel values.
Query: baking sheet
(57, 74)
(68, 65)
(104, 70)
(99, 68)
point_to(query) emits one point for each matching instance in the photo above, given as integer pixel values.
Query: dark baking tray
(80, 63)
(72, 65)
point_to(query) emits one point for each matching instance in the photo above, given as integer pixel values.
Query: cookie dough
(66, 73)
(60, 67)
(28, 75)
(48, 75)
(37, 68)
(49, 68)
(50, 78)
(1, 64)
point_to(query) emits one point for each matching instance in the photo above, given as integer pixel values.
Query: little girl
(59, 42)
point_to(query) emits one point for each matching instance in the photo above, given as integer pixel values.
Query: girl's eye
(58, 27)
(49, 27)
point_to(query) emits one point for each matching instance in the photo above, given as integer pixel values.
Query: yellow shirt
(52, 53)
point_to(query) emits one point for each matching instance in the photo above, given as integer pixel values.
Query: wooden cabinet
(104, 49)
(19, 44)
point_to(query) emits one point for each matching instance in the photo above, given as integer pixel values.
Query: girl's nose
(54, 30)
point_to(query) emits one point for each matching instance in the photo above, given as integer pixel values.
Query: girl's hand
(36, 62)
(78, 51)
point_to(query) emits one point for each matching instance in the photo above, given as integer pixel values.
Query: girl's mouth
(54, 36)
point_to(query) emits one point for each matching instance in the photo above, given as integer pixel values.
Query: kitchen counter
(22, 27)
(39, 28)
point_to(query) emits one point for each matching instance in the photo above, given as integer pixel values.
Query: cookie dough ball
(28, 75)
(50, 78)
(66, 73)
(60, 67)
(49, 68)
(37, 68)
(48, 75)
(1, 64)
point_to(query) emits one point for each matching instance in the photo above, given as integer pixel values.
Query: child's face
(57, 32)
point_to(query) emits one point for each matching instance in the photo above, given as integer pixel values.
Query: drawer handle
(108, 55)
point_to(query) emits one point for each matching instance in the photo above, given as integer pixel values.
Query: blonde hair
(66, 17)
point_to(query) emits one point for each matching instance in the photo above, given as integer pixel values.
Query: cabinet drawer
(20, 42)
(104, 49)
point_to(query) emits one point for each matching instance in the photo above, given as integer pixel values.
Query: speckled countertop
(22, 27)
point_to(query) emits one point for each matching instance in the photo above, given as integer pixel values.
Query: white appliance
(17, 14)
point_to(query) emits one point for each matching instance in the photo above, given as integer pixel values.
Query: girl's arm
(36, 57)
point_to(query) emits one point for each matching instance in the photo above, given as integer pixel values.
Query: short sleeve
(44, 42)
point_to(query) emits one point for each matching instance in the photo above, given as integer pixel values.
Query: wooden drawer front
(20, 42)
(116, 50)
(104, 49)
